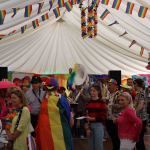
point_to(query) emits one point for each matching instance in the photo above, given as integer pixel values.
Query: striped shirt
(97, 109)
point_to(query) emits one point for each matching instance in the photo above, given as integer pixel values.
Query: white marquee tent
(57, 44)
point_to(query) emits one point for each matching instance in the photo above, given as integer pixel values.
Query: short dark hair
(139, 82)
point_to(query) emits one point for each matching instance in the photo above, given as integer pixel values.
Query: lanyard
(38, 97)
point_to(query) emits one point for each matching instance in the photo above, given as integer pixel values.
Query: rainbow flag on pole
(105, 2)
(56, 12)
(104, 14)
(45, 17)
(28, 10)
(23, 29)
(35, 23)
(2, 16)
(61, 3)
(142, 11)
(129, 8)
(68, 6)
(116, 4)
(15, 10)
(53, 130)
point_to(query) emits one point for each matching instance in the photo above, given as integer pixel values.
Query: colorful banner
(116, 4)
(105, 2)
(129, 8)
(68, 6)
(61, 3)
(104, 14)
(15, 10)
(23, 29)
(51, 2)
(73, 2)
(28, 10)
(45, 17)
(2, 16)
(142, 11)
(35, 23)
(40, 7)
(56, 12)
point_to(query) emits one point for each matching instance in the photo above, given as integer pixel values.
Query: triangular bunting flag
(51, 2)
(23, 29)
(115, 22)
(129, 8)
(142, 11)
(116, 4)
(15, 10)
(40, 7)
(105, 2)
(104, 14)
(45, 17)
(123, 34)
(28, 10)
(61, 3)
(35, 23)
(142, 51)
(68, 6)
(73, 2)
(56, 12)
(2, 16)
(132, 43)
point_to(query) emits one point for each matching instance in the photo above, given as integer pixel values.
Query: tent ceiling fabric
(57, 44)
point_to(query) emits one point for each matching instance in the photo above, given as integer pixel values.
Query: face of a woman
(15, 100)
(123, 101)
(93, 92)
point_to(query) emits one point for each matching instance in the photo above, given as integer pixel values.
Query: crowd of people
(45, 111)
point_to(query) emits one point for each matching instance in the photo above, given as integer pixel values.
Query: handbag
(10, 142)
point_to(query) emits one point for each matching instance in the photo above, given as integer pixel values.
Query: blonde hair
(18, 92)
(127, 96)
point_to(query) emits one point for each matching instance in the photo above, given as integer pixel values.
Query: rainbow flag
(28, 10)
(104, 14)
(97, 2)
(142, 11)
(105, 2)
(61, 3)
(129, 8)
(15, 10)
(116, 4)
(35, 23)
(40, 7)
(56, 12)
(51, 2)
(2, 16)
(2, 36)
(53, 130)
(68, 6)
(73, 2)
(23, 29)
(45, 17)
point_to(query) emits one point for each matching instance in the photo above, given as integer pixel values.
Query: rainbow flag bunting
(116, 4)
(45, 17)
(73, 2)
(61, 3)
(105, 2)
(23, 29)
(28, 10)
(51, 2)
(12, 32)
(68, 6)
(40, 7)
(142, 51)
(132, 43)
(56, 12)
(97, 2)
(104, 14)
(142, 11)
(2, 16)
(15, 10)
(129, 8)
(35, 23)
